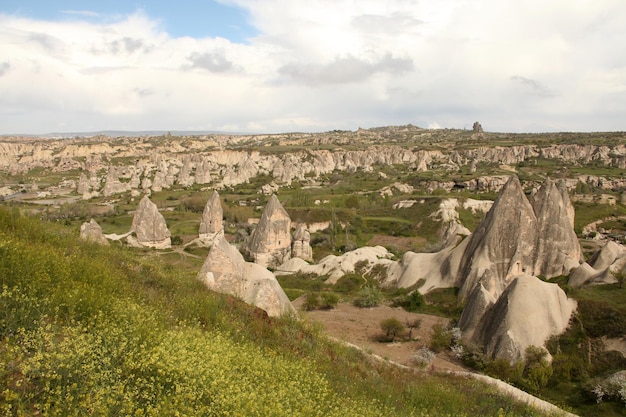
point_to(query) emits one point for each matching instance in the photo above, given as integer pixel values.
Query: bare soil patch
(400, 244)
(361, 327)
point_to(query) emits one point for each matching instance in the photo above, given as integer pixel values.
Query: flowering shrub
(423, 357)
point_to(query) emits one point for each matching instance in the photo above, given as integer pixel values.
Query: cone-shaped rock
(150, 227)
(211, 224)
(270, 242)
(528, 313)
(557, 250)
(301, 246)
(502, 246)
(92, 232)
(226, 271)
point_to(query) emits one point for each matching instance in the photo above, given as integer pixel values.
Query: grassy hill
(92, 330)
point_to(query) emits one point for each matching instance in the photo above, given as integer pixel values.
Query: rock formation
(336, 267)
(301, 244)
(113, 185)
(477, 128)
(211, 224)
(502, 246)
(600, 267)
(528, 313)
(270, 242)
(557, 250)
(92, 232)
(149, 227)
(226, 271)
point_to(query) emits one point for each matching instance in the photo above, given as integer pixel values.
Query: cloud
(345, 70)
(87, 13)
(128, 45)
(322, 65)
(392, 24)
(535, 87)
(210, 61)
(4, 68)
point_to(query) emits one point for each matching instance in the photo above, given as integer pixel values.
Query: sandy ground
(361, 327)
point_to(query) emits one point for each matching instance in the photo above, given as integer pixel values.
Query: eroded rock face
(528, 313)
(502, 246)
(149, 227)
(92, 232)
(226, 271)
(211, 224)
(557, 250)
(270, 242)
(301, 245)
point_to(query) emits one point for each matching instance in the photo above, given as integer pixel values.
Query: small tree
(312, 301)
(440, 338)
(392, 327)
(413, 324)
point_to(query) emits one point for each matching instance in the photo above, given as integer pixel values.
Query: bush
(312, 301)
(392, 327)
(410, 302)
(423, 357)
(441, 338)
(368, 297)
(329, 300)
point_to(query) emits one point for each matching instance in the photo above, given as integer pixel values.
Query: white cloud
(324, 64)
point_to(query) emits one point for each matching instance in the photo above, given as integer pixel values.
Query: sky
(271, 66)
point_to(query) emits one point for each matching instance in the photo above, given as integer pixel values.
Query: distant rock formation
(477, 128)
(270, 242)
(226, 271)
(600, 267)
(211, 224)
(528, 313)
(301, 245)
(336, 267)
(149, 227)
(113, 185)
(92, 232)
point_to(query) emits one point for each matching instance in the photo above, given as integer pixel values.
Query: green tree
(392, 327)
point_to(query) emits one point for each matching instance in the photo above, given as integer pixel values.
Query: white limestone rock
(226, 271)
(528, 313)
(149, 227)
(92, 232)
(270, 242)
(211, 224)
(301, 243)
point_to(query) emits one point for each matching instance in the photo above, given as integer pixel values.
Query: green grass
(589, 212)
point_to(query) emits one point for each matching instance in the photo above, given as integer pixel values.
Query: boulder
(301, 243)
(149, 227)
(528, 313)
(211, 224)
(226, 271)
(92, 232)
(270, 242)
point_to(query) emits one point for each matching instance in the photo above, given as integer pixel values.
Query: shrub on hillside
(368, 297)
(391, 327)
